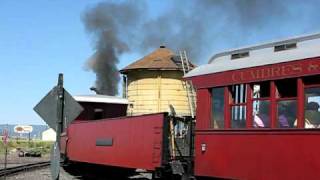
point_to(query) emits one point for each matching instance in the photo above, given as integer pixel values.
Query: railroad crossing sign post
(58, 109)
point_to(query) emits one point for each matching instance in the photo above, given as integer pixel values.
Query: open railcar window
(312, 108)
(261, 104)
(238, 105)
(286, 94)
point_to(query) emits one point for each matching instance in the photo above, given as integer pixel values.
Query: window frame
(212, 120)
(261, 99)
(274, 100)
(231, 103)
(302, 124)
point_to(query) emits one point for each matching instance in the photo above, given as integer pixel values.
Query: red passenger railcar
(258, 112)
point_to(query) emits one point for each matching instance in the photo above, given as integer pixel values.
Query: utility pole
(5, 142)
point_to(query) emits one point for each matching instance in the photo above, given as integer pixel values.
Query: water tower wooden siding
(154, 82)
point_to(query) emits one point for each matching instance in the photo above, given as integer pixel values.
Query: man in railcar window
(312, 115)
(282, 118)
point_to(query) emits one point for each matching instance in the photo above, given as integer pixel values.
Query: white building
(48, 135)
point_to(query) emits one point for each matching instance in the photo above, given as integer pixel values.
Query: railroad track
(26, 167)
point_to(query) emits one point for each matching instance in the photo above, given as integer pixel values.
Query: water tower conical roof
(160, 59)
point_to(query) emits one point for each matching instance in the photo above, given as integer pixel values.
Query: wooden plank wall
(153, 91)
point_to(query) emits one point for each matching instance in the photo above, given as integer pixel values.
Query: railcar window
(286, 94)
(238, 118)
(238, 105)
(287, 113)
(239, 55)
(217, 121)
(313, 80)
(261, 104)
(238, 93)
(312, 108)
(261, 113)
(261, 90)
(286, 88)
(283, 47)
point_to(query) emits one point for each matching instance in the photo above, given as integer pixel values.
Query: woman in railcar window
(261, 118)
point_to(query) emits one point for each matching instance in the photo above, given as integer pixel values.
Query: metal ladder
(188, 84)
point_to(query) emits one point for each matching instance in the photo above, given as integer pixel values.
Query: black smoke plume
(105, 23)
(201, 27)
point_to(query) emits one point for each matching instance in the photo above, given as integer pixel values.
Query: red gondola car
(258, 112)
(104, 135)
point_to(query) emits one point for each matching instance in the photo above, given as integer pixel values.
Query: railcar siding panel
(254, 155)
(204, 108)
(133, 141)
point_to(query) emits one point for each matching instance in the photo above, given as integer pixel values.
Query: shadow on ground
(88, 172)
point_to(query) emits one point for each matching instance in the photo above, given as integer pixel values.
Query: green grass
(42, 146)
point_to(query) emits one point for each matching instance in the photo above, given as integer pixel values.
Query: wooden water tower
(154, 82)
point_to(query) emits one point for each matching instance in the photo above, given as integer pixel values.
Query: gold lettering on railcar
(237, 76)
(297, 68)
(233, 77)
(271, 72)
(266, 73)
(313, 67)
(285, 70)
(275, 71)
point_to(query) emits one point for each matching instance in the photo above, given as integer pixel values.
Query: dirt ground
(15, 160)
(44, 174)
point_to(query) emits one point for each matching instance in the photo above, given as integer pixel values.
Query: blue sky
(38, 40)
(41, 38)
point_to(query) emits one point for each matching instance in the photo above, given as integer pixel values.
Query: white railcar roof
(101, 99)
(307, 46)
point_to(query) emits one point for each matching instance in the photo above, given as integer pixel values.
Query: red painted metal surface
(256, 153)
(203, 108)
(298, 68)
(273, 104)
(300, 100)
(137, 141)
(266, 154)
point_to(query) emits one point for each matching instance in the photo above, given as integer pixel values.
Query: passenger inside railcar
(261, 104)
(286, 96)
(261, 117)
(312, 115)
(283, 116)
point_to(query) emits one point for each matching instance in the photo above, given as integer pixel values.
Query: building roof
(306, 46)
(101, 99)
(160, 59)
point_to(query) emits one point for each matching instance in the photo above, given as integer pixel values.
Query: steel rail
(25, 167)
